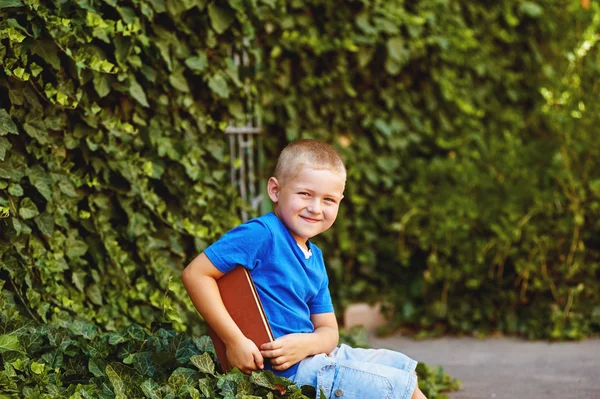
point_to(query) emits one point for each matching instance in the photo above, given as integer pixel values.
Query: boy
(290, 277)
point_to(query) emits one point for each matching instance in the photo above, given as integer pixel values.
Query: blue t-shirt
(290, 287)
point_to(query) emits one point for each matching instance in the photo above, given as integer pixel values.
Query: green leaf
(45, 222)
(531, 9)
(143, 364)
(260, 378)
(219, 86)
(204, 363)
(9, 343)
(10, 3)
(6, 124)
(198, 62)
(220, 17)
(178, 81)
(397, 50)
(48, 50)
(102, 83)
(37, 368)
(5, 145)
(15, 189)
(97, 367)
(150, 389)
(159, 5)
(120, 389)
(75, 248)
(41, 181)
(137, 92)
(28, 209)
(206, 387)
(37, 130)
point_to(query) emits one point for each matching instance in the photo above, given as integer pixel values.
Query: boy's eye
(330, 200)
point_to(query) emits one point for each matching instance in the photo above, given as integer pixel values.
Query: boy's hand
(245, 356)
(286, 351)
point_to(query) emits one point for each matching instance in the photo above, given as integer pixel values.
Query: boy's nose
(314, 207)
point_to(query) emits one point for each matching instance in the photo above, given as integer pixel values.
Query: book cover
(243, 304)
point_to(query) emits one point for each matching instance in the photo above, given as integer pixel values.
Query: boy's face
(307, 204)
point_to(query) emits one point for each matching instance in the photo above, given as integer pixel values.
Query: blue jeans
(357, 373)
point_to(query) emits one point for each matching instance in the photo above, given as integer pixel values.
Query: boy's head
(307, 153)
(307, 188)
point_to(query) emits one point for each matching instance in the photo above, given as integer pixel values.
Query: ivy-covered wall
(473, 195)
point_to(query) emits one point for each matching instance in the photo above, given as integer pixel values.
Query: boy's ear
(273, 188)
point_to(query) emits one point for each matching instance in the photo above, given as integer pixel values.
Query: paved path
(502, 368)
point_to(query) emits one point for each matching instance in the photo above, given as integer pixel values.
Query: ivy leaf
(182, 378)
(117, 382)
(260, 378)
(28, 209)
(75, 248)
(150, 387)
(37, 368)
(15, 189)
(206, 387)
(198, 62)
(6, 124)
(179, 81)
(94, 294)
(102, 84)
(220, 17)
(397, 50)
(136, 332)
(48, 50)
(204, 343)
(97, 367)
(137, 92)
(218, 85)
(37, 130)
(10, 3)
(78, 278)
(159, 5)
(45, 222)
(143, 364)
(204, 363)
(9, 343)
(531, 9)
(41, 181)
(5, 145)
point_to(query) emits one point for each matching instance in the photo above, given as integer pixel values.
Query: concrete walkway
(503, 368)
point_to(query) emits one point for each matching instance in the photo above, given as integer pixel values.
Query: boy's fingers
(258, 360)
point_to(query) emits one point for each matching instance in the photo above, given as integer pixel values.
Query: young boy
(290, 277)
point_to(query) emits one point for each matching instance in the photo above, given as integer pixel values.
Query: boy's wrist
(233, 337)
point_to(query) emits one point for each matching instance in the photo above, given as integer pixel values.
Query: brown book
(243, 304)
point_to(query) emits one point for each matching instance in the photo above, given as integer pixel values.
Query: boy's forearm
(323, 340)
(205, 296)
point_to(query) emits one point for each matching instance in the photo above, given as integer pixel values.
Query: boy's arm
(288, 350)
(199, 279)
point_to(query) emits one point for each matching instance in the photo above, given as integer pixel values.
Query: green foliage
(111, 155)
(76, 360)
(472, 196)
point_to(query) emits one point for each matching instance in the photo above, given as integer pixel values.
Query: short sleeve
(244, 245)
(321, 303)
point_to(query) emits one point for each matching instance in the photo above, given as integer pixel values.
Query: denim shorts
(358, 373)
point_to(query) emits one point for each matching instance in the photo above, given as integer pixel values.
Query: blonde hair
(307, 153)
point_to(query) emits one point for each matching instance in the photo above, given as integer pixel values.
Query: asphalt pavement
(502, 368)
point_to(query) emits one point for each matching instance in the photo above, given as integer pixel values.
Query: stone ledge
(363, 314)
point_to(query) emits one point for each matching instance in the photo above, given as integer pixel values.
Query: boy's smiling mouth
(310, 220)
